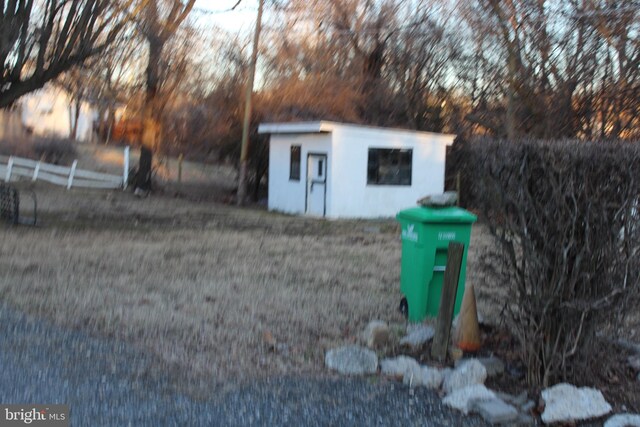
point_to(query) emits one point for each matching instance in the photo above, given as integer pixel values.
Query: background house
(338, 170)
(51, 111)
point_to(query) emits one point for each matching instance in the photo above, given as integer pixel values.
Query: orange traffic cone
(467, 336)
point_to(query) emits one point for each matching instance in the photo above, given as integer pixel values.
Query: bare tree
(160, 21)
(41, 40)
(382, 63)
(552, 69)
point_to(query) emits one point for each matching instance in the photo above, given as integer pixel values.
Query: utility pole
(244, 150)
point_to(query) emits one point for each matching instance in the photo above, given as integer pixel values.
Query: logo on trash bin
(409, 233)
(446, 235)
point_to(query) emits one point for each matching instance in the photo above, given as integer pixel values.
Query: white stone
(528, 406)
(466, 374)
(517, 400)
(417, 335)
(413, 376)
(431, 377)
(446, 373)
(495, 411)
(448, 198)
(623, 420)
(397, 366)
(493, 365)
(376, 334)
(565, 402)
(463, 398)
(352, 360)
(634, 362)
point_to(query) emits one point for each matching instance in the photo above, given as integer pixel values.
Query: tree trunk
(142, 179)
(150, 126)
(244, 144)
(76, 118)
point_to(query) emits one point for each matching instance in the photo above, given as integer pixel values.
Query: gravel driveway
(105, 383)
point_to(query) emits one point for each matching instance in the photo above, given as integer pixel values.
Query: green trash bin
(426, 233)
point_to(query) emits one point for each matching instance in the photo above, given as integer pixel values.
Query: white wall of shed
(286, 195)
(352, 197)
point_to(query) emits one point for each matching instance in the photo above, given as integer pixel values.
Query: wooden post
(180, 159)
(447, 301)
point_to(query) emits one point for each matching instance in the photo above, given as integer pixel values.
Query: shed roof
(323, 126)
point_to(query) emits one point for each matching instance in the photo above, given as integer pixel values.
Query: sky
(217, 12)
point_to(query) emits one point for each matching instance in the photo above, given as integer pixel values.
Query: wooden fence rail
(15, 168)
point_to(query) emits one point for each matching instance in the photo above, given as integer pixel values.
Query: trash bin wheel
(404, 307)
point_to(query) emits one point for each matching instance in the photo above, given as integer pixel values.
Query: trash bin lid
(450, 214)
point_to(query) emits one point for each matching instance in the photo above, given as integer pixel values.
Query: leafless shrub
(16, 147)
(565, 218)
(55, 150)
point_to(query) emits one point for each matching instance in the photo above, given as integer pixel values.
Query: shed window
(389, 166)
(294, 165)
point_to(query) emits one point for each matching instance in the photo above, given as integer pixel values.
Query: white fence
(14, 168)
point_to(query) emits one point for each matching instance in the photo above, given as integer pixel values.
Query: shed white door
(316, 184)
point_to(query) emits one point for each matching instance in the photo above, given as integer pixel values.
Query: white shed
(338, 170)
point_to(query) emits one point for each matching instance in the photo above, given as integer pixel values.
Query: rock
(518, 400)
(411, 372)
(634, 362)
(431, 377)
(565, 402)
(528, 406)
(412, 376)
(446, 373)
(417, 335)
(495, 411)
(397, 366)
(493, 365)
(524, 421)
(352, 360)
(139, 192)
(462, 399)
(448, 198)
(623, 420)
(466, 374)
(376, 334)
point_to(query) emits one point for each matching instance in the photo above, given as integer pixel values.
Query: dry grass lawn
(215, 294)
(202, 286)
